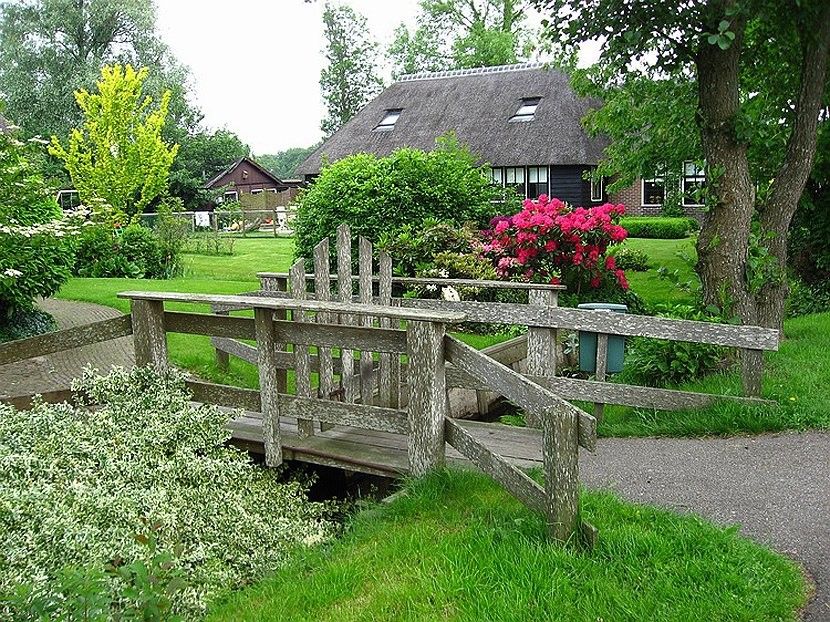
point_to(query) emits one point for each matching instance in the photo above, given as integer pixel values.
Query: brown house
(245, 176)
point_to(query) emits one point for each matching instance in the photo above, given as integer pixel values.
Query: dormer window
(527, 109)
(387, 123)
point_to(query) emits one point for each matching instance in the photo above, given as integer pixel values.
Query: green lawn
(456, 547)
(673, 255)
(255, 253)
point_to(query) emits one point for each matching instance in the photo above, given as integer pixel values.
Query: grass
(456, 547)
(252, 254)
(673, 255)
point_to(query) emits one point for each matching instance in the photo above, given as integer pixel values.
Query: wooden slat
(520, 390)
(267, 341)
(367, 389)
(753, 337)
(480, 283)
(211, 325)
(341, 413)
(149, 337)
(312, 306)
(601, 368)
(541, 345)
(66, 339)
(302, 375)
(344, 292)
(25, 402)
(225, 395)
(322, 289)
(515, 481)
(428, 404)
(385, 386)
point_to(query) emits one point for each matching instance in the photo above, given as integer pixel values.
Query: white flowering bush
(79, 484)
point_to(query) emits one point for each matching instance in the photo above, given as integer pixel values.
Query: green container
(588, 342)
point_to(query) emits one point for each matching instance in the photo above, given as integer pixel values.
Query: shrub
(80, 484)
(376, 195)
(134, 252)
(659, 227)
(22, 323)
(35, 253)
(657, 362)
(631, 259)
(550, 242)
(805, 299)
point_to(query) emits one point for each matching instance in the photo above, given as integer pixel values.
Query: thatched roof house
(523, 120)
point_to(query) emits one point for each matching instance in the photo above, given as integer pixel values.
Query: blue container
(588, 342)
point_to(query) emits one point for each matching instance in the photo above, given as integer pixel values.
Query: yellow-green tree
(119, 157)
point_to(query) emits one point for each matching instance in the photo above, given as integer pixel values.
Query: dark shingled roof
(251, 162)
(476, 104)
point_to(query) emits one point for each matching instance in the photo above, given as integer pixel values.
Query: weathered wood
(25, 402)
(541, 344)
(302, 374)
(279, 286)
(752, 372)
(322, 289)
(406, 280)
(628, 324)
(385, 387)
(341, 413)
(517, 388)
(364, 262)
(266, 336)
(149, 337)
(311, 306)
(66, 339)
(230, 326)
(560, 458)
(601, 370)
(344, 292)
(427, 396)
(225, 395)
(515, 481)
(222, 358)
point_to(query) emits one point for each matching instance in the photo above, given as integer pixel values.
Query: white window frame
(513, 184)
(538, 170)
(389, 120)
(655, 179)
(228, 193)
(701, 176)
(61, 193)
(257, 191)
(597, 198)
(527, 110)
(497, 176)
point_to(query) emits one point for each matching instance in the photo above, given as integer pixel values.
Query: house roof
(250, 162)
(477, 105)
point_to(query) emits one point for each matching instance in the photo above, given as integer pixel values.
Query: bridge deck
(382, 453)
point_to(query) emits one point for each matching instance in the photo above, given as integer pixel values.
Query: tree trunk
(788, 185)
(724, 236)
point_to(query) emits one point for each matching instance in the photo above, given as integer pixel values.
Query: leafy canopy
(119, 156)
(284, 164)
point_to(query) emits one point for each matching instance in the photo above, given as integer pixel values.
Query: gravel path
(56, 371)
(777, 487)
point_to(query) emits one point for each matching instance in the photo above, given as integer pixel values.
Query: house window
(694, 180)
(537, 181)
(256, 191)
(274, 190)
(527, 109)
(514, 177)
(68, 199)
(231, 196)
(654, 191)
(497, 176)
(387, 123)
(597, 189)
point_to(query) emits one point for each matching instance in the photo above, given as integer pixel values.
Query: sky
(255, 64)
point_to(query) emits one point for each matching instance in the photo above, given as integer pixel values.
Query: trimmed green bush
(658, 227)
(630, 259)
(135, 252)
(376, 195)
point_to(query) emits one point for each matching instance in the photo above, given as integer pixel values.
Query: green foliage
(22, 323)
(119, 157)
(631, 259)
(376, 195)
(136, 252)
(350, 77)
(35, 252)
(80, 483)
(656, 362)
(459, 34)
(658, 227)
(284, 164)
(805, 299)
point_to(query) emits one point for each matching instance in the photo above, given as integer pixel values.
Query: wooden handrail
(408, 280)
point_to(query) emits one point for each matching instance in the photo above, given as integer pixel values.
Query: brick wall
(631, 197)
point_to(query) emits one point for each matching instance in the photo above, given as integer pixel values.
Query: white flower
(12, 273)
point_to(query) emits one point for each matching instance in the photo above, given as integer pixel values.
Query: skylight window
(387, 123)
(527, 109)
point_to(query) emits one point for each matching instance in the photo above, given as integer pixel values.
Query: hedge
(659, 227)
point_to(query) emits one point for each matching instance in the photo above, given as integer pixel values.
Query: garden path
(776, 486)
(56, 371)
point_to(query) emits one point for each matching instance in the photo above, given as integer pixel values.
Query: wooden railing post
(223, 359)
(278, 284)
(427, 395)
(560, 457)
(601, 371)
(541, 344)
(149, 337)
(752, 372)
(266, 337)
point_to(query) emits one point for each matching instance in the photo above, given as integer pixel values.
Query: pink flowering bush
(549, 241)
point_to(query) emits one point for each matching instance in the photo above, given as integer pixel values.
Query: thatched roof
(477, 105)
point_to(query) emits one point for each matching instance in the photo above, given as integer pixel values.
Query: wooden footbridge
(362, 381)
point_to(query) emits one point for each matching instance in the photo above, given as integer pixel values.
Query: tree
(51, 48)
(751, 75)
(283, 164)
(457, 34)
(350, 78)
(202, 155)
(119, 156)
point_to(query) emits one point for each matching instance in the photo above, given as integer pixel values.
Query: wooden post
(223, 359)
(560, 457)
(427, 395)
(322, 289)
(601, 370)
(752, 372)
(302, 361)
(388, 391)
(344, 290)
(541, 344)
(149, 337)
(266, 337)
(367, 388)
(279, 284)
